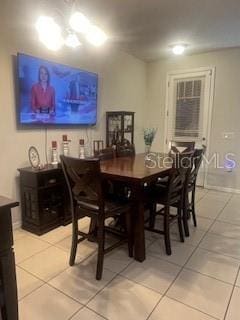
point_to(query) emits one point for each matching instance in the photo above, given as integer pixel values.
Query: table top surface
(134, 168)
(7, 203)
(137, 168)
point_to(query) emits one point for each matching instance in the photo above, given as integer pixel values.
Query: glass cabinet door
(120, 127)
(128, 127)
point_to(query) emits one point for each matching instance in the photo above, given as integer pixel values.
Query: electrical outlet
(228, 135)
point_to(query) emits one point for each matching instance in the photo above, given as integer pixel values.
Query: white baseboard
(17, 225)
(223, 189)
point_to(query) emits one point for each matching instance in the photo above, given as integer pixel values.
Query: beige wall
(226, 107)
(122, 87)
(126, 83)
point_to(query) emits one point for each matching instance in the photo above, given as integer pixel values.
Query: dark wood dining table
(136, 172)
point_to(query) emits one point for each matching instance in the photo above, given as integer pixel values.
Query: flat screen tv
(51, 94)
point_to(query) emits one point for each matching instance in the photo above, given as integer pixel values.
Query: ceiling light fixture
(79, 22)
(72, 41)
(50, 33)
(178, 49)
(96, 36)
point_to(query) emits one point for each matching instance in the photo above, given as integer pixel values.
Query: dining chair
(105, 154)
(87, 199)
(191, 184)
(170, 195)
(126, 150)
(182, 146)
(178, 147)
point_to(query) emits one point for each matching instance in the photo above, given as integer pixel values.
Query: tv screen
(55, 94)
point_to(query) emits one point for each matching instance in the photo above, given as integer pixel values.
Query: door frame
(210, 73)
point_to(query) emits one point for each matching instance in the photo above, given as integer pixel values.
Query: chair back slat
(181, 167)
(186, 146)
(83, 178)
(125, 150)
(197, 160)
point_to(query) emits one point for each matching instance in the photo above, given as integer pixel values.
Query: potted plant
(149, 135)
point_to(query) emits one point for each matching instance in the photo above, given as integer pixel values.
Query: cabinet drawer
(50, 179)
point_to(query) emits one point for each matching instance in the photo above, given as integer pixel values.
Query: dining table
(137, 172)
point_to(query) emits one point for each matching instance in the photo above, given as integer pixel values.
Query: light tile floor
(200, 281)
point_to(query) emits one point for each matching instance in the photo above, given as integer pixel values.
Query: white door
(188, 112)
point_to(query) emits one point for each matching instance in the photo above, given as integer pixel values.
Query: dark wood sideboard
(44, 199)
(8, 285)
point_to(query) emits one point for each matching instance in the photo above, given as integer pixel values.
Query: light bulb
(49, 33)
(79, 22)
(72, 41)
(178, 49)
(96, 36)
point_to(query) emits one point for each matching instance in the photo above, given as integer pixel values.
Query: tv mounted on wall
(51, 94)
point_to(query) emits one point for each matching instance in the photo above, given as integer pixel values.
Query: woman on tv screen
(42, 93)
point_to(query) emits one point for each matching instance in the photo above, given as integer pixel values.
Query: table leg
(138, 226)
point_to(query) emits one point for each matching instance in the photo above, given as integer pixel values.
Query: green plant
(149, 135)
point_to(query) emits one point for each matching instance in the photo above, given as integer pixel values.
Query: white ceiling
(144, 28)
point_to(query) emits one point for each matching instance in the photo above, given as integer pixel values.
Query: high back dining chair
(178, 147)
(182, 146)
(125, 150)
(171, 195)
(191, 183)
(87, 199)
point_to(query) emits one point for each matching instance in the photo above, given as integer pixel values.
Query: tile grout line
(188, 268)
(75, 313)
(44, 282)
(198, 246)
(165, 294)
(209, 251)
(219, 235)
(119, 273)
(116, 274)
(231, 295)
(42, 250)
(182, 268)
(97, 313)
(85, 307)
(86, 304)
(194, 308)
(215, 219)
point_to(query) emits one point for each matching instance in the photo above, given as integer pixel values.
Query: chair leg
(93, 230)
(167, 231)
(185, 216)
(187, 206)
(180, 227)
(74, 242)
(101, 240)
(152, 215)
(128, 223)
(193, 209)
